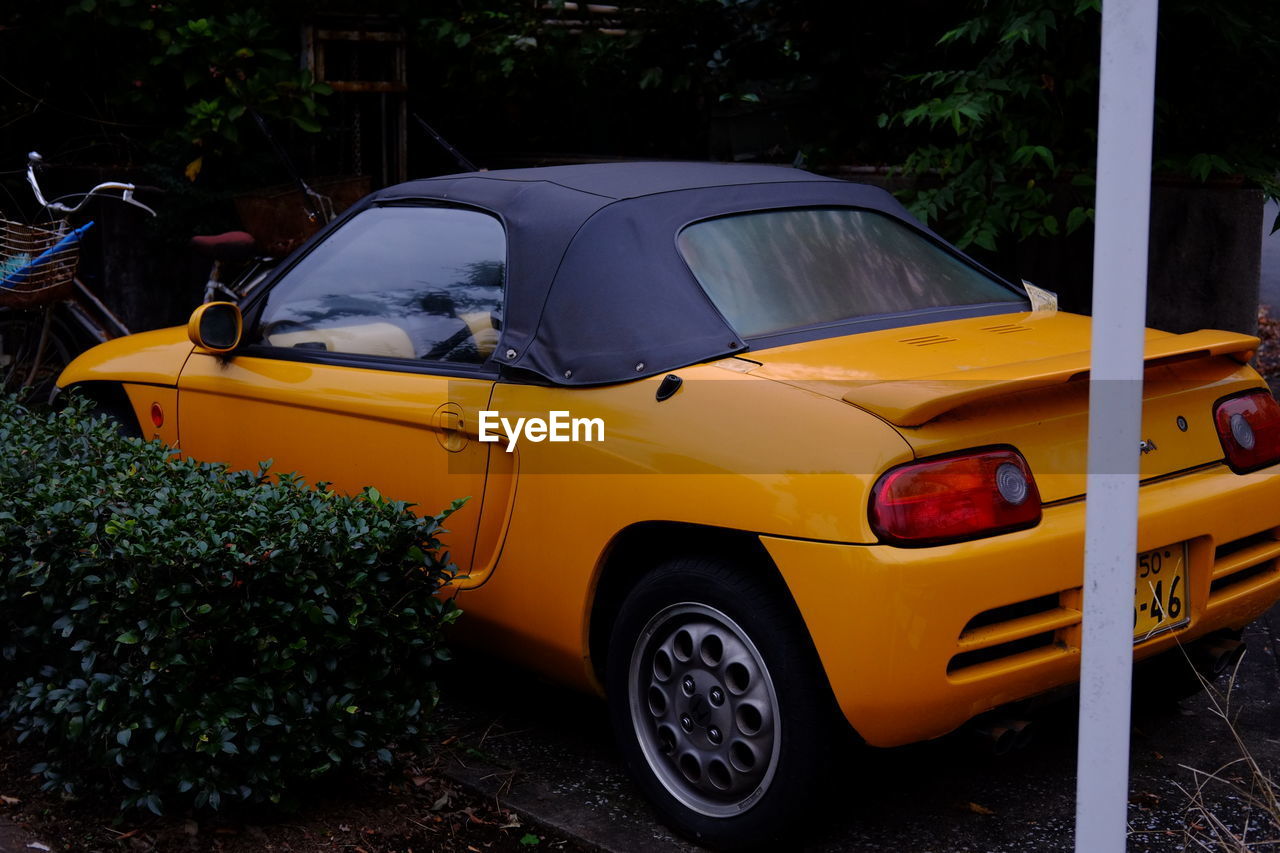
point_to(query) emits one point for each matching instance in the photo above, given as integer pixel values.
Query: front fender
(148, 358)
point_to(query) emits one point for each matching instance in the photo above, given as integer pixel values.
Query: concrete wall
(1205, 262)
(1204, 267)
(1270, 256)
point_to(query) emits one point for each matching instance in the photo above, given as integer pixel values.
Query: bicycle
(47, 313)
(37, 272)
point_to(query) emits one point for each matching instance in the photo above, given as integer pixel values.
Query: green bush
(187, 635)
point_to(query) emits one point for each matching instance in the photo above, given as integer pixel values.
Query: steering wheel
(275, 327)
(449, 344)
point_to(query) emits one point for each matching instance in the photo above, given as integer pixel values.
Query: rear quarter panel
(727, 450)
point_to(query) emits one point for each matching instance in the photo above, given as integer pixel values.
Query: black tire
(732, 760)
(111, 402)
(1164, 680)
(20, 333)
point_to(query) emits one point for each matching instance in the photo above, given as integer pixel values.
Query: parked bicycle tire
(20, 333)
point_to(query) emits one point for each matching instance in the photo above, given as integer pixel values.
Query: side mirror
(216, 326)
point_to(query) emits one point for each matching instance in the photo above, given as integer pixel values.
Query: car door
(366, 364)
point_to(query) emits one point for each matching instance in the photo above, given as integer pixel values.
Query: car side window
(412, 282)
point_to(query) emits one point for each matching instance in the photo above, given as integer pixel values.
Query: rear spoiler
(913, 402)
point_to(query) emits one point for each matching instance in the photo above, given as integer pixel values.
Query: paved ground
(548, 751)
(15, 839)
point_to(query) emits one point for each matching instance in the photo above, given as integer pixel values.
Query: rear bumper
(895, 628)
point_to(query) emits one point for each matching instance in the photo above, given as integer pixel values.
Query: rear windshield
(787, 269)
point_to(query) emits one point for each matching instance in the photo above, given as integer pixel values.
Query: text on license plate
(1160, 597)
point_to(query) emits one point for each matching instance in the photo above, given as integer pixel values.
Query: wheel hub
(704, 709)
(700, 709)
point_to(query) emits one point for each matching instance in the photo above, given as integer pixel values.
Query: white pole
(1125, 111)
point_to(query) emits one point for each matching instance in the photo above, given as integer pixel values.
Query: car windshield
(777, 270)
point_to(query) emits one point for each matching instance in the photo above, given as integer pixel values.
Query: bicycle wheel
(21, 372)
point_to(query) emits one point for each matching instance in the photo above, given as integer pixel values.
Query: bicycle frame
(255, 272)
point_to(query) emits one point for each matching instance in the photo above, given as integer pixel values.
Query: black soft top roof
(631, 180)
(596, 289)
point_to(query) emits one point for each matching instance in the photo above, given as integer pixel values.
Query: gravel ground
(548, 751)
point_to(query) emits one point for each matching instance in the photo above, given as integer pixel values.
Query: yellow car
(747, 449)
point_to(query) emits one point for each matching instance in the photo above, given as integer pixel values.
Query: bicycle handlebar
(126, 191)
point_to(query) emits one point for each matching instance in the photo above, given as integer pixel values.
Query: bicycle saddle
(231, 246)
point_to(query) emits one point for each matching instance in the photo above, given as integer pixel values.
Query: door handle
(450, 427)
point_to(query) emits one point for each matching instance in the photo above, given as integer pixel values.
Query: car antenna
(457, 155)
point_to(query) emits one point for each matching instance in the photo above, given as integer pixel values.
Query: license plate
(1160, 596)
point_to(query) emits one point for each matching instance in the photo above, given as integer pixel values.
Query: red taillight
(1249, 429)
(157, 415)
(952, 498)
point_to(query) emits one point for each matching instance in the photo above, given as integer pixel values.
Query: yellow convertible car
(747, 449)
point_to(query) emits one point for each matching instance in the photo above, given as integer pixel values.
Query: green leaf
(986, 239)
(1076, 218)
(530, 840)
(128, 638)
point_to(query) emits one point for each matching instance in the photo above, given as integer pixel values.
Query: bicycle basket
(37, 264)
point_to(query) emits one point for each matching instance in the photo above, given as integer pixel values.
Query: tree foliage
(989, 106)
(126, 81)
(1005, 122)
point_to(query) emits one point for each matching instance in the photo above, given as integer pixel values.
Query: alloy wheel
(704, 709)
